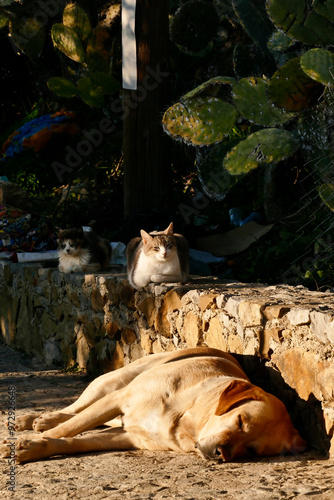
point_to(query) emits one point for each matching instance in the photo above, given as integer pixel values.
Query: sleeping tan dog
(189, 400)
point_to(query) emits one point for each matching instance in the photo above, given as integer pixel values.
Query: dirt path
(141, 475)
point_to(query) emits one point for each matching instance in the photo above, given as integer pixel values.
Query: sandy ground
(138, 475)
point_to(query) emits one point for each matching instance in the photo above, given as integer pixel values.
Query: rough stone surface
(282, 335)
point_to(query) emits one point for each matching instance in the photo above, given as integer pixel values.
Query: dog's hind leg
(30, 450)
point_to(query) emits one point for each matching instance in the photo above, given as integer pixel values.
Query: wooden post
(147, 179)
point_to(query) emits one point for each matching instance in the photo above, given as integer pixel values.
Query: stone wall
(283, 336)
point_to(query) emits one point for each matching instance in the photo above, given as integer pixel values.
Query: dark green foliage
(215, 179)
(282, 94)
(76, 39)
(28, 35)
(194, 25)
(253, 17)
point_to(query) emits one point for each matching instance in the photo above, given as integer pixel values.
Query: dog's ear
(236, 392)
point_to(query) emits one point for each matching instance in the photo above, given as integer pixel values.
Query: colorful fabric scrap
(20, 231)
(36, 133)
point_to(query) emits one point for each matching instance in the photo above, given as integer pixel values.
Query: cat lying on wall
(157, 257)
(82, 251)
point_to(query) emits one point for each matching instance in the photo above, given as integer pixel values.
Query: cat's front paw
(165, 278)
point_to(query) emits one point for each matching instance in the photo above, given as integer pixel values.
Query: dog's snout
(222, 452)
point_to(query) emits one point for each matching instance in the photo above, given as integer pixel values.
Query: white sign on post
(129, 46)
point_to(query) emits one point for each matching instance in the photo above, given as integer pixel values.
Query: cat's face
(161, 246)
(71, 241)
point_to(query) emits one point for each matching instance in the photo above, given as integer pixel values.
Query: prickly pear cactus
(209, 86)
(77, 19)
(318, 64)
(105, 82)
(291, 89)
(194, 24)
(324, 8)
(62, 87)
(310, 24)
(200, 121)
(279, 41)
(253, 17)
(252, 102)
(89, 93)
(28, 35)
(265, 146)
(326, 193)
(215, 180)
(4, 19)
(252, 60)
(68, 42)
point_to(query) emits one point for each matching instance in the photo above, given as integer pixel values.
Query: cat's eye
(157, 249)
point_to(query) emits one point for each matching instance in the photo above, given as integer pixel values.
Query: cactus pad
(265, 146)
(215, 180)
(318, 64)
(62, 87)
(76, 18)
(326, 193)
(303, 22)
(28, 35)
(67, 41)
(279, 41)
(200, 121)
(291, 89)
(4, 19)
(208, 86)
(252, 102)
(255, 20)
(107, 83)
(194, 24)
(90, 94)
(324, 8)
(252, 60)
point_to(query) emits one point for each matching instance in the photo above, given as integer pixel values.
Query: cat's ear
(145, 236)
(169, 229)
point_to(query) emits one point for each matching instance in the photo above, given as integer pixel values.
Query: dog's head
(248, 422)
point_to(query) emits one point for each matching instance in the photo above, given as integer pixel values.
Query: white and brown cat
(82, 251)
(157, 257)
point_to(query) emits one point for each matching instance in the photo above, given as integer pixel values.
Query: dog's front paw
(26, 450)
(49, 420)
(6, 448)
(25, 422)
